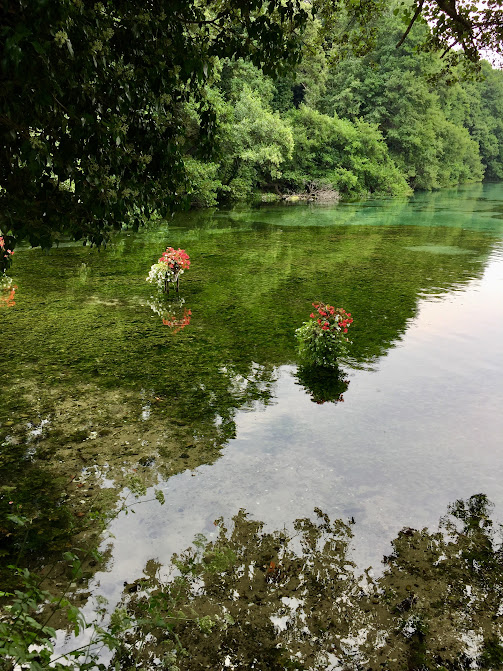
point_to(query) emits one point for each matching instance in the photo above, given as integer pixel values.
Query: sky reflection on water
(419, 432)
(112, 388)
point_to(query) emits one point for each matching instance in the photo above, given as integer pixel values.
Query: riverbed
(107, 382)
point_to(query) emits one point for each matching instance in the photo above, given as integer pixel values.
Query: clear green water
(94, 385)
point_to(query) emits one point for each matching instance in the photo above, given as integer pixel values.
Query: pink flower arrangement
(323, 339)
(332, 319)
(5, 252)
(172, 264)
(175, 256)
(5, 255)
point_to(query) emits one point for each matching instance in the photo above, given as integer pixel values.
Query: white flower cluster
(5, 283)
(158, 273)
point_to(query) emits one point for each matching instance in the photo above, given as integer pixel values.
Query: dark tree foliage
(93, 97)
(253, 599)
(476, 27)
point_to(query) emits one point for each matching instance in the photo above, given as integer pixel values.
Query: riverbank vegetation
(216, 104)
(383, 123)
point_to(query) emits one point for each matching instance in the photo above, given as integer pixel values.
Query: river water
(105, 379)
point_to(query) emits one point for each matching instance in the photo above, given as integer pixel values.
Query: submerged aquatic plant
(322, 340)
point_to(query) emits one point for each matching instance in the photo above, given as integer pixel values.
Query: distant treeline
(353, 124)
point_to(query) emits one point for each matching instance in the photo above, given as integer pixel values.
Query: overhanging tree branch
(418, 11)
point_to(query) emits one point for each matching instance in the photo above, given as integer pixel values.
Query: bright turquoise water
(94, 385)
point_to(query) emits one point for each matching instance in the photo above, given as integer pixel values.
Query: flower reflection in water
(7, 292)
(324, 385)
(173, 314)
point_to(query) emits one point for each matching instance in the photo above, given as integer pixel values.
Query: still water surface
(214, 411)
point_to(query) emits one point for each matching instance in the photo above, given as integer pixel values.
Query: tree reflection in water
(324, 385)
(254, 599)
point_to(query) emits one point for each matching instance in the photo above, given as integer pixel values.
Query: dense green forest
(381, 123)
(112, 112)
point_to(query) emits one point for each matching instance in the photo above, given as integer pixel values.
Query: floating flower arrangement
(171, 264)
(323, 339)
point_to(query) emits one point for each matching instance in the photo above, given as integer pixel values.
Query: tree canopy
(475, 27)
(93, 103)
(110, 111)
